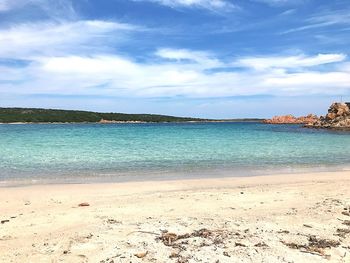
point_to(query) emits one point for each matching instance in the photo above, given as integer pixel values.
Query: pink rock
(290, 119)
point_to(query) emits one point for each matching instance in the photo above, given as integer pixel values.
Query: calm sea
(119, 152)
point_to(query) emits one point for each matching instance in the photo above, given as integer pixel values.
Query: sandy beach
(280, 218)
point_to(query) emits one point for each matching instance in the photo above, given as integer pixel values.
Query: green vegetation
(10, 115)
(32, 115)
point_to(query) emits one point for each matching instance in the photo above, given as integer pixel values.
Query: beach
(174, 131)
(279, 218)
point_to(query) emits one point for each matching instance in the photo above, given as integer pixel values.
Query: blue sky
(204, 58)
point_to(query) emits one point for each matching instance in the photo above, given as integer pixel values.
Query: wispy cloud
(281, 2)
(213, 5)
(203, 59)
(53, 9)
(288, 12)
(325, 19)
(51, 38)
(286, 62)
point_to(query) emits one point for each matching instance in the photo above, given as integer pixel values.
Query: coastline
(158, 176)
(138, 122)
(258, 218)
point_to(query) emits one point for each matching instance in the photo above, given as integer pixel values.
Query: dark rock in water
(338, 117)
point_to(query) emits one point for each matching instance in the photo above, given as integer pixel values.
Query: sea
(86, 153)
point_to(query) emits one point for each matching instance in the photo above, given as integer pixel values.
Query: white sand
(247, 220)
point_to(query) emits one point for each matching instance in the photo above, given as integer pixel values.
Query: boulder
(338, 117)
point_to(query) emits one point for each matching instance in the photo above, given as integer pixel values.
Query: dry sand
(280, 218)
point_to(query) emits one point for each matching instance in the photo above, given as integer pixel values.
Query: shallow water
(114, 152)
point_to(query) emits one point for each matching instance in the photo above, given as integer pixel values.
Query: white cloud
(311, 80)
(280, 2)
(330, 18)
(263, 63)
(213, 5)
(345, 67)
(112, 75)
(50, 39)
(202, 59)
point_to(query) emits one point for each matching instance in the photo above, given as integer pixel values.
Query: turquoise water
(113, 152)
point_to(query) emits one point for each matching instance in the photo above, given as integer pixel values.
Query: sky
(200, 58)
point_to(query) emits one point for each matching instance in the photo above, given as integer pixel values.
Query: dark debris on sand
(181, 241)
(315, 245)
(216, 236)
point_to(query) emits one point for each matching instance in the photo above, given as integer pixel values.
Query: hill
(34, 115)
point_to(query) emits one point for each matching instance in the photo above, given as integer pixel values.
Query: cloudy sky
(204, 58)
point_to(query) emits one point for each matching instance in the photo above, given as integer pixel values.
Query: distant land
(37, 115)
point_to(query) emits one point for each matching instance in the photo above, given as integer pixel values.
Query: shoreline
(139, 122)
(235, 181)
(172, 176)
(247, 219)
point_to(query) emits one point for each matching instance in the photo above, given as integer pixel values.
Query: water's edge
(171, 176)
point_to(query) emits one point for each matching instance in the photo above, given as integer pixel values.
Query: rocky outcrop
(338, 117)
(290, 119)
